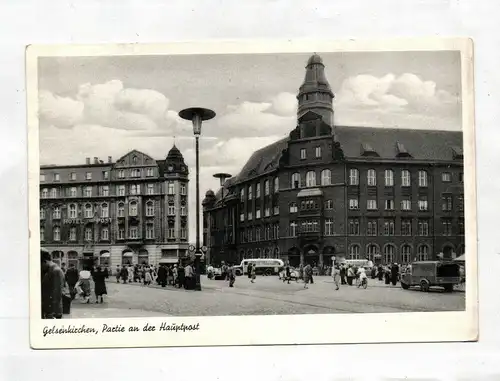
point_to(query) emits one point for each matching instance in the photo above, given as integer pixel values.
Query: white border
(383, 327)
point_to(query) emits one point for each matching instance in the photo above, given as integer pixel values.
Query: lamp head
(197, 115)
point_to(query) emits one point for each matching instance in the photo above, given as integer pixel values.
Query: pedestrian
(249, 271)
(71, 277)
(301, 271)
(308, 275)
(231, 275)
(118, 270)
(380, 272)
(162, 275)
(124, 274)
(252, 273)
(63, 268)
(288, 274)
(175, 274)
(387, 275)
(83, 285)
(210, 271)
(148, 277)
(52, 282)
(350, 275)
(336, 276)
(188, 277)
(394, 273)
(100, 277)
(180, 275)
(130, 271)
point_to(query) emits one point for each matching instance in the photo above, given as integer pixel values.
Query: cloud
(61, 112)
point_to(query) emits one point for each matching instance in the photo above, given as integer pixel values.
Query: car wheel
(268, 272)
(424, 286)
(404, 286)
(238, 272)
(448, 288)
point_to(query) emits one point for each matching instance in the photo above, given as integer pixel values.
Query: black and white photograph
(328, 181)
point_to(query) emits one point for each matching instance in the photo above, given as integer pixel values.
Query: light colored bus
(263, 266)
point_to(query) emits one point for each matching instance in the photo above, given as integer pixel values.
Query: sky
(109, 105)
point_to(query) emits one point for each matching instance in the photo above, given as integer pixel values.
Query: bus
(263, 266)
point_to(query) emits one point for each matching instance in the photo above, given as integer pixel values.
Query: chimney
(96, 160)
(87, 160)
(110, 159)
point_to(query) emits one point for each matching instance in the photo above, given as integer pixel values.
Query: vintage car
(427, 274)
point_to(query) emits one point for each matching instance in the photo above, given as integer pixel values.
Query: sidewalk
(92, 311)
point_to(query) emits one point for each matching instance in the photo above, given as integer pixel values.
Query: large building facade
(132, 211)
(391, 195)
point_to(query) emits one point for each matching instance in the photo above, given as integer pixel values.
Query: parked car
(427, 274)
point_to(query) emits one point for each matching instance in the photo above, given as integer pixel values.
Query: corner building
(132, 211)
(391, 195)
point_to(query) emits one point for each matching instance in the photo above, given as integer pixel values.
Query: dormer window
(458, 153)
(367, 150)
(401, 151)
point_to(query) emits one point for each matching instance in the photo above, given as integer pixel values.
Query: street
(268, 296)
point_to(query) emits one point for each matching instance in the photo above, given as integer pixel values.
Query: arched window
(406, 254)
(104, 210)
(150, 209)
(132, 208)
(371, 251)
(121, 210)
(45, 193)
(354, 252)
(389, 178)
(257, 190)
(72, 211)
(276, 184)
(295, 180)
(326, 177)
(53, 193)
(422, 179)
(423, 253)
(405, 178)
(249, 192)
(311, 179)
(88, 211)
(57, 233)
(249, 253)
(389, 253)
(353, 176)
(372, 177)
(56, 213)
(267, 253)
(266, 188)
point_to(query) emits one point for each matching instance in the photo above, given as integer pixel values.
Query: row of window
(120, 190)
(265, 233)
(267, 213)
(267, 189)
(389, 253)
(388, 227)
(73, 176)
(89, 212)
(90, 233)
(317, 153)
(423, 178)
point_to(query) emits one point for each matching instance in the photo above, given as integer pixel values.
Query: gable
(135, 158)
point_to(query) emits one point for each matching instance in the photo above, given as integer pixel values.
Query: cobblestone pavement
(268, 295)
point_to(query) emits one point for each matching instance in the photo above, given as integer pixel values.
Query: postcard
(252, 193)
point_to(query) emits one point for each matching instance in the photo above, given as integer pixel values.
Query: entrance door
(88, 262)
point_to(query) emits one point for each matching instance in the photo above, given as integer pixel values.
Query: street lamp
(222, 179)
(197, 115)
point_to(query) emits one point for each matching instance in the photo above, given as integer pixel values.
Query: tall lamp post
(222, 179)
(197, 115)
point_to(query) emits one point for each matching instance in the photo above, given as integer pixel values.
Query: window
(353, 177)
(257, 214)
(53, 193)
(311, 179)
(406, 205)
(353, 203)
(326, 177)
(135, 173)
(329, 204)
(104, 210)
(171, 188)
(242, 217)
(446, 177)
(371, 204)
(150, 231)
(57, 233)
(372, 178)
(423, 253)
(72, 234)
(72, 192)
(354, 252)
(318, 152)
(121, 209)
(389, 228)
(446, 226)
(249, 192)
(171, 233)
(183, 210)
(460, 202)
(151, 189)
(42, 177)
(293, 229)
(266, 188)
(371, 228)
(105, 175)
(461, 227)
(121, 190)
(42, 213)
(372, 250)
(57, 177)
(88, 213)
(328, 226)
(42, 234)
(267, 211)
(242, 194)
(354, 227)
(171, 210)
(45, 193)
(423, 204)
(183, 190)
(132, 208)
(293, 207)
(105, 234)
(56, 213)
(406, 227)
(88, 192)
(150, 172)
(447, 203)
(405, 178)
(389, 204)
(88, 175)
(406, 254)
(423, 228)
(295, 181)
(389, 178)
(250, 216)
(121, 233)
(276, 184)
(303, 154)
(121, 174)
(389, 254)
(105, 191)
(422, 179)
(276, 210)
(310, 226)
(183, 233)
(133, 189)
(257, 190)
(133, 232)
(72, 211)
(72, 176)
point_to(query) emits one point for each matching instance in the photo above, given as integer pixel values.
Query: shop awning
(128, 254)
(106, 254)
(168, 260)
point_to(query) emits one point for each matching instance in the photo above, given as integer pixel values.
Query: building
(352, 192)
(134, 210)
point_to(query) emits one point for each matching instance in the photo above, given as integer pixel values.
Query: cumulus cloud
(61, 112)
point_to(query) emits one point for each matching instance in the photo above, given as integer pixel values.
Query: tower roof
(174, 155)
(315, 78)
(315, 59)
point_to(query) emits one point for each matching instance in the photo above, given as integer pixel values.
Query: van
(263, 266)
(427, 274)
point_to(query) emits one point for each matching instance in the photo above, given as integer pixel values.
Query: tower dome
(174, 163)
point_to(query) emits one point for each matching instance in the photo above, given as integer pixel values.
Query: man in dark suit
(53, 283)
